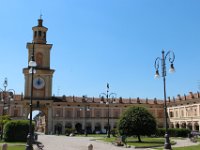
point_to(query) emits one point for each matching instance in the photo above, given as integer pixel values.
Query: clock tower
(42, 79)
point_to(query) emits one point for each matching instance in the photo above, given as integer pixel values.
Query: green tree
(4, 119)
(137, 121)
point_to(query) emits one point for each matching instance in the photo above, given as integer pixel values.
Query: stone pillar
(63, 127)
(90, 147)
(50, 120)
(4, 146)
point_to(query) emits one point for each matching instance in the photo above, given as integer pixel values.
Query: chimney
(191, 95)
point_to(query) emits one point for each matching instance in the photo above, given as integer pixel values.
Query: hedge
(16, 130)
(173, 132)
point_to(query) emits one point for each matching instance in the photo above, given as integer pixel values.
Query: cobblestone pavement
(53, 142)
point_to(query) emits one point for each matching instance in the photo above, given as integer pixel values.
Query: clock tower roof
(39, 32)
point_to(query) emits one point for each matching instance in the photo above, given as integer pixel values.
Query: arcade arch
(183, 125)
(177, 125)
(97, 127)
(68, 125)
(40, 115)
(78, 127)
(172, 125)
(40, 119)
(189, 125)
(89, 127)
(196, 126)
(58, 128)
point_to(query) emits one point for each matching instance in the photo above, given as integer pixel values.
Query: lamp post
(86, 108)
(6, 97)
(171, 56)
(108, 101)
(32, 65)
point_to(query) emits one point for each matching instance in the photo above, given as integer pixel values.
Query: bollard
(90, 147)
(4, 146)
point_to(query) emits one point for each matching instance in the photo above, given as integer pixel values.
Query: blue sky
(100, 41)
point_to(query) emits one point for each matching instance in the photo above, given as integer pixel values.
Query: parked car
(195, 133)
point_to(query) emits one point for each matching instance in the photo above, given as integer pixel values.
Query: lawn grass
(146, 142)
(196, 147)
(91, 135)
(132, 141)
(14, 145)
(150, 142)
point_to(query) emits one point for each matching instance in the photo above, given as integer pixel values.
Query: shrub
(173, 132)
(68, 131)
(114, 132)
(16, 130)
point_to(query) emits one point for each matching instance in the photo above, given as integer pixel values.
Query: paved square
(53, 142)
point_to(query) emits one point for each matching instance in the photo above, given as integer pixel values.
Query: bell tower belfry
(42, 80)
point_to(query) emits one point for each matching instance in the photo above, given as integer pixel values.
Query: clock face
(38, 83)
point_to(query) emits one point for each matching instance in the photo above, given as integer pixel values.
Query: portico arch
(58, 128)
(189, 125)
(183, 125)
(177, 125)
(172, 125)
(97, 127)
(68, 125)
(43, 120)
(89, 127)
(196, 126)
(78, 127)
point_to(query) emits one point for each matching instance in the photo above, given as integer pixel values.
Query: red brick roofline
(185, 97)
(116, 100)
(18, 97)
(121, 100)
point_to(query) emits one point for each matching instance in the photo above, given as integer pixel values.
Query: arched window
(35, 34)
(40, 33)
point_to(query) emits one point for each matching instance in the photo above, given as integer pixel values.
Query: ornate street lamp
(6, 97)
(32, 64)
(171, 56)
(108, 101)
(86, 108)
